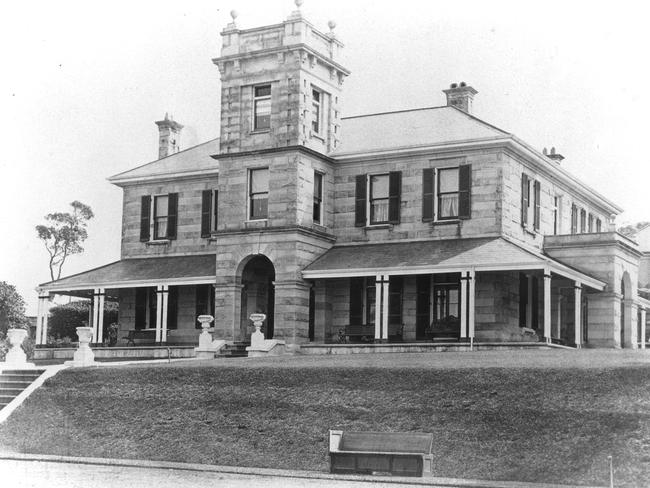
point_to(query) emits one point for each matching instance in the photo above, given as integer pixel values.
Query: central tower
(280, 86)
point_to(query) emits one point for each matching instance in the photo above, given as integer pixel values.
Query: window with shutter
(525, 199)
(538, 194)
(465, 191)
(360, 201)
(206, 207)
(394, 196)
(428, 176)
(172, 308)
(356, 301)
(145, 218)
(172, 215)
(422, 305)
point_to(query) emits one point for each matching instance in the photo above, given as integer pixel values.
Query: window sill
(321, 138)
(378, 226)
(319, 227)
(260, 131)
(445, 222)
(256, 223)
(158, 242)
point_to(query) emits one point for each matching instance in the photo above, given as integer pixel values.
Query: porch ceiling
(437, 256)
(168, 270)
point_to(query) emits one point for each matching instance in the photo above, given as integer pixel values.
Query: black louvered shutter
(215, 207)
(524, 199)
(538, 195)
(172, 215)
(356, 301)
(145, 218)
(465, 191)
(172, 308)
(360, 201)
(427, 194)
(206, 210)
(394, 196)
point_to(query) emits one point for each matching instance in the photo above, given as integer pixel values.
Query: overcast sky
(83, 82)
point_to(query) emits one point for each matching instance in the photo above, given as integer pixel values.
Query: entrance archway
(257, 294)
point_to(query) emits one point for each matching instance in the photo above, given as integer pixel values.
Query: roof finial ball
(331, 24)
(298, 3)
(234, 14)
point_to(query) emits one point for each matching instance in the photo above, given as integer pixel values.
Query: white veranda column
(643, 329)
(577, 318)
(41, 318)
(165, 299)
(159, 306)
(100, 315)
(471, 304)
(558, 325)
(384, 307)
(97, 312)
(547, 305)
(463, 304)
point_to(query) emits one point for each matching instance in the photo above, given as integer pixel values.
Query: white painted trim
(22, 396)
(378, 301)
(547, 304)
(199, 280)
(159, 314)
(472, 304)
(165, 303)
(463, 305)
(163, 176)
(384, 308)
(641, 339)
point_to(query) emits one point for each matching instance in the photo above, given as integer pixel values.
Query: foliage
(27, 345)
(64, 319)
(12, 309)
(63, 235)
(631, 229)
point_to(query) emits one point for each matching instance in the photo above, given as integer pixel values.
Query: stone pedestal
(261, 347)
(207, 347)
(83, 356)
(16, 357)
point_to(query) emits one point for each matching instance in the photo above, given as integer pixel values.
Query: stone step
(13, 383)
(18, 377)
(11, 391)
(6, 398)
(36, 372)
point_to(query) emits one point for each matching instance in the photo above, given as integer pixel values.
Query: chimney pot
(460, 97)
(169, 134)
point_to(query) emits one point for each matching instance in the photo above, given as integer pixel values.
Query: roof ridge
(394, 112)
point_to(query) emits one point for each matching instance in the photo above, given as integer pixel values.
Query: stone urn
(205, 339)
(257, 338)
(16, 356)
(83, 356)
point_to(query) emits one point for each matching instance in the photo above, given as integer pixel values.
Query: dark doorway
(257, 295)
(312, 314)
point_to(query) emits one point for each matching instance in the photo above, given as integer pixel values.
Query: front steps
(234, 350)
(14, 381)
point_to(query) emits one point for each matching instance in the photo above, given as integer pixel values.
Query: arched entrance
(257, 294)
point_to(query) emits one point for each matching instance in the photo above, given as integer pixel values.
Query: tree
(63, 235)
(64, 319)
(12, 309)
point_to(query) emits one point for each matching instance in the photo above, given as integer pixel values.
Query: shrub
(28, 347)
(64, 319)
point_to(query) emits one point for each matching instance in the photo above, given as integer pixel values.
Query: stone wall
(189, 240)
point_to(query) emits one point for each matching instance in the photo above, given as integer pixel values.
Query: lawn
(540, 416)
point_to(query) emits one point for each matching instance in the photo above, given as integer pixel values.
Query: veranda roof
(169, 270)
(437, 256)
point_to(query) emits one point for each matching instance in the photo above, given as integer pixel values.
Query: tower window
(316, 99)
(258, 193)
(262, 107)
(318, 198)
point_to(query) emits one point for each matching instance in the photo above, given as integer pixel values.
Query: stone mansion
(426, 224)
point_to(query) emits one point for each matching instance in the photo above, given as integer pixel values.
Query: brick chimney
(461, 96)
(169, 136)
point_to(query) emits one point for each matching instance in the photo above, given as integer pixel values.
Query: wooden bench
(145, 335)
(394, 453)
(368, 331)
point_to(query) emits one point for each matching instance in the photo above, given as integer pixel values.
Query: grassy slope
(550, 425)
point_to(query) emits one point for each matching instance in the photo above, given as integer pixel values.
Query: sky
(83, 83)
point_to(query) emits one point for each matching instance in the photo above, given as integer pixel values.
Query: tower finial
(234, 14)
(298, 3)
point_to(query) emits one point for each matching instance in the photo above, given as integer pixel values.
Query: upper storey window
(316, 101)
(446, 193)
(262, 107)
(160, 216)
(377, 199)
(258, 193)
(530, 203)
(164, 209)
